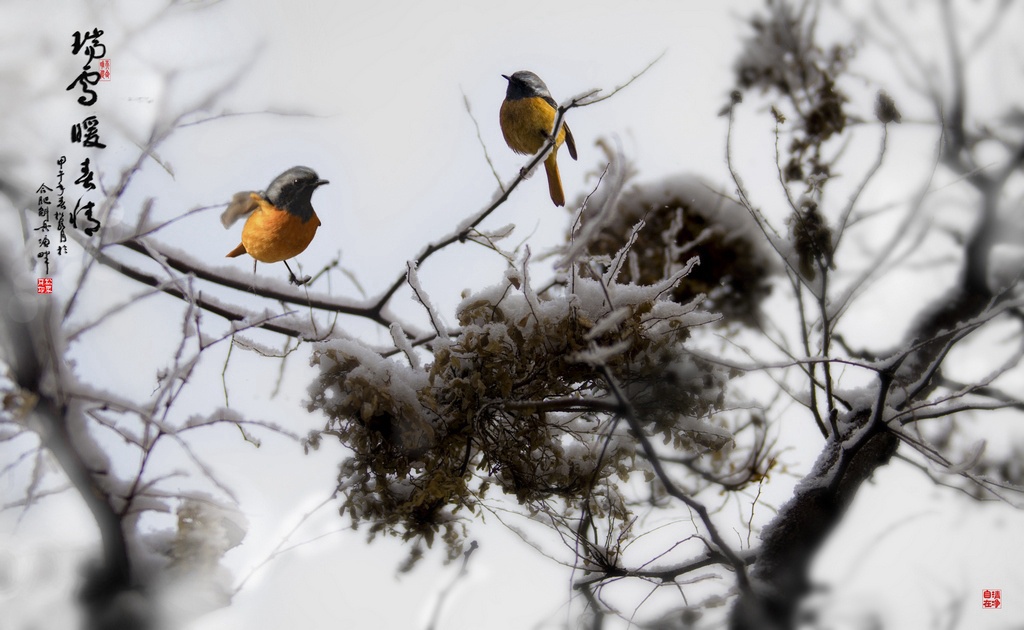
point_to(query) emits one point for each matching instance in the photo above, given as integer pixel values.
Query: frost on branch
(686, 217)
(195, 580)
(516, 403)
(783, 56)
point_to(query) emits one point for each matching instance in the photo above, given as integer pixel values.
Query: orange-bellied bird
(281, 222)
(527, 118)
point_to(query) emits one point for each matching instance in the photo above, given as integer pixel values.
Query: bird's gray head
(293, 189)
(524, 84)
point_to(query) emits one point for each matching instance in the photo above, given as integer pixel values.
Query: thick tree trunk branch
(780, 577)
(35, 371)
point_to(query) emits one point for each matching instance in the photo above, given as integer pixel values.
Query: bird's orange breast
(272, 235)
(526, 123)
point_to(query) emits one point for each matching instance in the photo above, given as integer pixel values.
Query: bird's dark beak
(506, 77)
(321, 182)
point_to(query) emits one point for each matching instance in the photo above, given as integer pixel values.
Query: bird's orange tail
(554, 180)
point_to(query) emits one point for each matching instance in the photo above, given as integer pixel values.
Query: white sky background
(383, 85)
